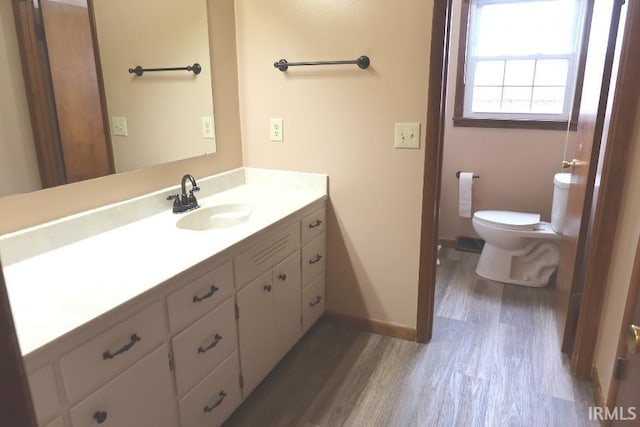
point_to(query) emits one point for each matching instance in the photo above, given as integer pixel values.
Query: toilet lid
(509, 220)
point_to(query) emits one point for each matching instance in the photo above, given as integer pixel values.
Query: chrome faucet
(184, 202)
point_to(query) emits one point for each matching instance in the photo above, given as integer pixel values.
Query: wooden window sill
(514, 124)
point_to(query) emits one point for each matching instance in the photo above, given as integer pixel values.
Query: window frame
(459, 119)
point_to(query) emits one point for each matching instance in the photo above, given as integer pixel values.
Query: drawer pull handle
(316, 302)
(317, 258)
(267, 288)
(100, 416)
(216, 339)
(209, 294)
(108, 355)
(217, 403)
(315, 224)
(282, 277)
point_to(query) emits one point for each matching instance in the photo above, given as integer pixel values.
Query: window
(520, 63)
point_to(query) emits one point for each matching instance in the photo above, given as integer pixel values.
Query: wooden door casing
(84, 142)
(626, 391)
(585, 146)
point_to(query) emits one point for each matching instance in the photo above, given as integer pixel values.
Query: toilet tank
(561, 183)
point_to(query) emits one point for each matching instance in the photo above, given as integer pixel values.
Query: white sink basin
(216, 217)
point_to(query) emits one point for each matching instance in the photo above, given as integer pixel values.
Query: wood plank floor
(494, 360)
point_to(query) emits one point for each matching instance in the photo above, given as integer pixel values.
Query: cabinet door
(256, 331)
(286, 301)
(141, 396)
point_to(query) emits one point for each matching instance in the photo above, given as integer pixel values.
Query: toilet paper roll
(465, 186)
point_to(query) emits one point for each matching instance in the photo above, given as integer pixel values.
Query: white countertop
(55, 292)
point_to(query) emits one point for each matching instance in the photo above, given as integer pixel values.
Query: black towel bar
(363, 62)
(138, 71)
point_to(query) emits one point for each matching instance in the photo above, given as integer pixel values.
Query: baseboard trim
(446, 242)
(370, 325)
(597, 388)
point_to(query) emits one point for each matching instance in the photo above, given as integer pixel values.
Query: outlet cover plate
(407, 135)
(208, 129)
(276, 130)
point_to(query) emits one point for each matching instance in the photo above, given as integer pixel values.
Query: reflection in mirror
(81, 83)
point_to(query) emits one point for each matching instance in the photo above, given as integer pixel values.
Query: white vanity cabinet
(190, 350)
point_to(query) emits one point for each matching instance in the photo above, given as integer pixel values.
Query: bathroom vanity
(130, 315)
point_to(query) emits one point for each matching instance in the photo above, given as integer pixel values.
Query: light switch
(119, 126)
(277, 130)
(407, 135)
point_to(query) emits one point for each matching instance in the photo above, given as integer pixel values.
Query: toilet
(519, 248)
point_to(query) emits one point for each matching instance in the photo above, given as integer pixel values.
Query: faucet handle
(173, 197)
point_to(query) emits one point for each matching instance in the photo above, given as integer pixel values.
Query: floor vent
(469, 244)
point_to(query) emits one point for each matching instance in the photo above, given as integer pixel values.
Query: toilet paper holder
(459, 172)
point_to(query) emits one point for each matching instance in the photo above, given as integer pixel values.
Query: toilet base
(531, 266)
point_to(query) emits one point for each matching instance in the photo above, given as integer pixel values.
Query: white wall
(340, 120)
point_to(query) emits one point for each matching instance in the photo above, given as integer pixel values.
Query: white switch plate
(407, 135)
(119, 125)
(208, 127)
(277, 130)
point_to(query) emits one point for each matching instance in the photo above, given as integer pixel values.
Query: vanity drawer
(211, 402)
(202, 346)
(313, 299)
(44, 394)
(106, 355)
(199, 297)
(266, 253)
(313, 259)
(142, 396)
(312, 225)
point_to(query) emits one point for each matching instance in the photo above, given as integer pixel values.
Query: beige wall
(516, 166)
(339, 120)
(18, 165)
(163, 110)
(622, 259)
(25, 210)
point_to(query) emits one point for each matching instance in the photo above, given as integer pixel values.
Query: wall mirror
(93, 117)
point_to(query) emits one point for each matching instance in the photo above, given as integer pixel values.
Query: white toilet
(519, 248)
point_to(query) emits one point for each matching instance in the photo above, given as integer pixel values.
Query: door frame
(632, 297)
(434, 145)
(597, 256)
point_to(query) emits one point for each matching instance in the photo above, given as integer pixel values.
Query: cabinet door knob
(282, 277)
(100, 416)
(267, 288)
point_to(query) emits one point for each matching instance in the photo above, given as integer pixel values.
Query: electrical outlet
(407, 135)
(208, 128)
(119, 126)
(277, 130)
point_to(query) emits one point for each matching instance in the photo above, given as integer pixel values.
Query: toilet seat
(518, 221)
